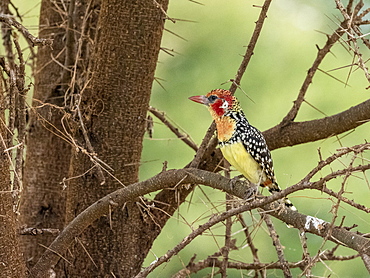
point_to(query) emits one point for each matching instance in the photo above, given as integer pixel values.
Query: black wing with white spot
(256, 146)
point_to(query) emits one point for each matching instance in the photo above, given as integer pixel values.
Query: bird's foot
(237, 178)
(251, 192)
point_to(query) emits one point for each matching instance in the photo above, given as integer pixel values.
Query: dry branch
(290, 134)
(251, 46)
(278, 247)
(195, 176)
(11, 22)
(321, 54)
(32, 231)
(184, 137)
(214, 262)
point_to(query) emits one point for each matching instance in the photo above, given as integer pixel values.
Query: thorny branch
(349, 22)
(306, 255)
(211, 261)
(16, 100)
(251, 46)
(353, 32)
(251, 245)
(238, 188)
(169, 178)
(184, 137)
(10, 21)
(276, 242)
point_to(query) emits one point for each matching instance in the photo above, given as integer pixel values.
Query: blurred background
(207, 42)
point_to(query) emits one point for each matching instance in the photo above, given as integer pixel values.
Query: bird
(241, 144)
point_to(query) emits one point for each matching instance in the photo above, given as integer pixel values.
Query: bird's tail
(274, 187)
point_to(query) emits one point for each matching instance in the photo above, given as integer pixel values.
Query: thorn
(164, 167)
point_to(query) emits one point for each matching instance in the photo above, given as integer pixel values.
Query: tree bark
(49, 146)
(113, 111)
(11, 259)
(48, 155)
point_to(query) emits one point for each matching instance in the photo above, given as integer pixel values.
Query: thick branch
(291, 134)
(195, 176)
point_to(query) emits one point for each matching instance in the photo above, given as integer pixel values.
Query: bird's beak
(200, 99)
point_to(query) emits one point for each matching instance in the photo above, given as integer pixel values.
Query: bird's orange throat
(225, 127)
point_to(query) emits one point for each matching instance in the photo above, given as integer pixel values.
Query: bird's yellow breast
(237, 156)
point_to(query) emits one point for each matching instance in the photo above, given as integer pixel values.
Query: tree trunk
(49, 146)
(48, 155)
(114, 110)
(11, 259)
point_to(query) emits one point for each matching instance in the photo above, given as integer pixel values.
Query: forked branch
(172, 178)
(11, 22)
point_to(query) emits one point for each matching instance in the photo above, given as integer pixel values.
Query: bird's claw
(251, 192)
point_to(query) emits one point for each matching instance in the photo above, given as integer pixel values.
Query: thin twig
(251, 245)
(21, 118)
(276, 242)
(10, 21)
(214, 262)
(184, 137)
(228, 226)
(306, 255)
(250, 48)
(321, 54)
(32, 231)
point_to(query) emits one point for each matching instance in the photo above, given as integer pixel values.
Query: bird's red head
(219, 101)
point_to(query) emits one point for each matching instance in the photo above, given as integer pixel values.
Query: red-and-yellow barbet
(242, 145)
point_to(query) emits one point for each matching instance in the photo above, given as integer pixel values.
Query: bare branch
(214, 262)
(291, 133)
(32, 231)
(196, 176)
(306, 255)
(184, 137)
(279, 249)
(366, 259)
(10, 21)
(250, 48)
(228, 225)
(348, 23)
(251, 245)
(332, 39)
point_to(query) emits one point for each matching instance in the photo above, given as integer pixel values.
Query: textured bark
(47, 161)
(49, 153)
(114, 109)
(11, 260)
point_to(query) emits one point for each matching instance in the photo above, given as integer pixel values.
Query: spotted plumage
(242, 145)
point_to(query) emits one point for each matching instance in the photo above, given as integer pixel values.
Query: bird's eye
(212, 98)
